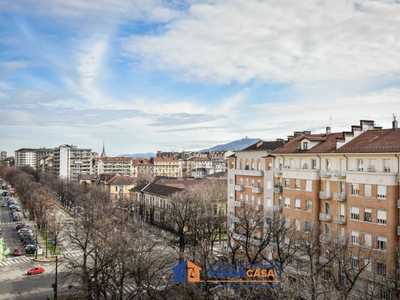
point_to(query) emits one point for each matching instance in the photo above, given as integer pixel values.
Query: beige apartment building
(168, 167)
(342, 187)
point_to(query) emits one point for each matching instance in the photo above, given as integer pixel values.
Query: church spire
(103, 153)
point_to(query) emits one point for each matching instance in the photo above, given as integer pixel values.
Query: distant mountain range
(231, 146)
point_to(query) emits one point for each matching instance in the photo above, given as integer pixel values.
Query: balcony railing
(278, 189)
(278, 208)
(325, 217)
(278, 171)
(339, 196)
(325, 195)
(257, 207)
(339, 219)
(239, 203)
(250, 172)
(398, 230)
(398, 203)
(324, 173)
(257, 224)
(239, 187)
(340, 174)
(256, 190)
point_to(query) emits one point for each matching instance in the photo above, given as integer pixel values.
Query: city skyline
(169, 75)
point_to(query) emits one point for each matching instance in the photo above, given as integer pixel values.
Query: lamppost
(54, 285)
(36, 243)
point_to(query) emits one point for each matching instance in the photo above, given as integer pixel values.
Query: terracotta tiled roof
(157, 189)
(122, 180)
(161, 159)
(374, 141)
(199, 159)
(327, 144)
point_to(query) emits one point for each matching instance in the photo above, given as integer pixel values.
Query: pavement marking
(15, 260)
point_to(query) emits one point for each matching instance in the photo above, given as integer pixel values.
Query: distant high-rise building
(70, 162)
(3, 154)
(26, 157)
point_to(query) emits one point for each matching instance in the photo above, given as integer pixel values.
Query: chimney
(328, 130)
(394, 123)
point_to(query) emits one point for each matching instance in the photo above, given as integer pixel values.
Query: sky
(174, 75)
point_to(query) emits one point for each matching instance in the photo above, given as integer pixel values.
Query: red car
(36, 270)
(17, 252)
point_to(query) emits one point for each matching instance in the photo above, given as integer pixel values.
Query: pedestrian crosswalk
(72, 254)
(7, 223)
(15, 260)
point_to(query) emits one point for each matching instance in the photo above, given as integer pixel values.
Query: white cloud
(278, 41)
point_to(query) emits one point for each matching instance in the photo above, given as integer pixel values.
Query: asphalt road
(16, 284)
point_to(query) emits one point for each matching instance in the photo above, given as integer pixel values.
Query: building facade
(70, 162)
(26, 157)
(168, 167)
(343, 189)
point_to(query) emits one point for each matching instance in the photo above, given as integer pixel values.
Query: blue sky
(148, 75)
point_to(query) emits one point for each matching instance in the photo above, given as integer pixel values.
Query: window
(381, 269)
(313, 163)
(381, 217)
(355, 237)
(342, 279)
(247, 198)
(299, 264)
(308, 205)
(381, 243)
(355, 213)
(269, 184)
(385, 295)
(367, 264)
(269, 202)
(287, 183)
(381, 193)
(360, 165)
(354, 262)
(309, 185)
(327, 229)
(287, 202)
(297, 186)
(297, 203)
(367, 240)
(231, 180)
(355, 190)
(287, 222)
(297, 225)
(367, 191)
(386, 165)
(367, 215)
(307, 225)
(305, 145)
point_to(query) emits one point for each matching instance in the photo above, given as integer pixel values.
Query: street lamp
(36, 243)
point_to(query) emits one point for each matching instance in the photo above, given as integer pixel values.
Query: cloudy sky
(148, 75)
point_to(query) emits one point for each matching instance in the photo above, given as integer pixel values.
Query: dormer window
(305, 145)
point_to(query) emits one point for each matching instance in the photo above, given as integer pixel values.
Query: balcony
(249, 172)
(325, 195)
(398, 230)
(256, 190)
(340, 174)
(398, 203)
(325, 173)
(278, 189)
(278, 208)
(278, 171)
(339, 219)
(371, 169)
(325, 217)
(257, 207)
(239, 203)
(239, 187)
(339, 196)
(324, 238)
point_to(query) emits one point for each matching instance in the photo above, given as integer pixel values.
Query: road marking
(15, 260)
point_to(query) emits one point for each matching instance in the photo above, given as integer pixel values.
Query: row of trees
(120, 249)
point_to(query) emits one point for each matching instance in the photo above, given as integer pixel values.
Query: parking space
(8, 225)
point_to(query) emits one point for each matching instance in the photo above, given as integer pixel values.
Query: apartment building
(113, 165)
(168, 167)
(26, 157)
(198, 167)
(344, 188)
(70, 162)
(250, 186)
(141, 166)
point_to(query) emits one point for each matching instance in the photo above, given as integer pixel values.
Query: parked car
(17, 252)
(36, 270)
(22, 226)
